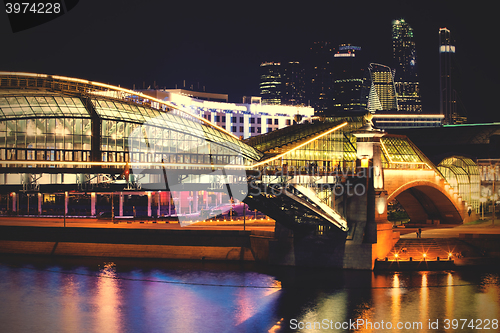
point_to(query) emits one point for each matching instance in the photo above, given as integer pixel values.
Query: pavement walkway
(263, 225)
(448, 231)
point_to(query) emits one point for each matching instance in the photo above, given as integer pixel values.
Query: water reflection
(424, 299)
(450, 299)
(107, 300)
(396, 298)
(152, 296)
(488, 298)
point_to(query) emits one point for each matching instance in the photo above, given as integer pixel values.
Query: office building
(382, 95)
(448, 79)
(293, 84)
(350, 92)
(241, 119)
(320, 77)
(270, 83)
(405, 67)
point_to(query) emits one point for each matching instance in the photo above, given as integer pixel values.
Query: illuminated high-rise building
(350, 84)
(320, 78)
(448, 79)
(382, 95)
(270, 82)
(293, 84)
(405, 67)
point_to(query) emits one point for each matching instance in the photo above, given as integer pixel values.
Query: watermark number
(32, 7)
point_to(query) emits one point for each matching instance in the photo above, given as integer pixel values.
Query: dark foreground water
(98, 295)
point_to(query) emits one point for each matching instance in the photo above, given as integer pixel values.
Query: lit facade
(351, 87)
(241, 119)
(405, 67)
(59, 134)
(382, 95)
(270, 83)
(463, 174)
(407, 121)
(489, 170)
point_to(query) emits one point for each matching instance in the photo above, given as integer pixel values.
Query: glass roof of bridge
(31, 103)
(399, 149)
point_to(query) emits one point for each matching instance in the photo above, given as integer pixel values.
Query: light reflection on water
(93, 295)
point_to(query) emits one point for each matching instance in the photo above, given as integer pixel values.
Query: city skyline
(219, 47)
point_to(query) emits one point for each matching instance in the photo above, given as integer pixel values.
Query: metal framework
(462, 173)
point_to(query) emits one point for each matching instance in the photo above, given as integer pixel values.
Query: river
(42, 294)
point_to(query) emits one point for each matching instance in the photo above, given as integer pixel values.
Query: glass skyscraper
(405, 67)
(282, 83)
(448, 79)
(382, 96)
(350, 86)
(293, 84)
(320, 85)
(270, 82)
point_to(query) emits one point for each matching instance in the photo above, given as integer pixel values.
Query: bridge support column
(14, 201)
(158, 207)
(120, 207)
(92, 203)
(66, 201)
(149, 204)
(170, 201)
(195, 201)
(40, 199)
(378, 230)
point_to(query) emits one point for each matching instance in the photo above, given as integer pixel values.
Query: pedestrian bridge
(60, 134)
(68, 142)
(324, 156)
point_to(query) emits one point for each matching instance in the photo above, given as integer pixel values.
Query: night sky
(220, 45)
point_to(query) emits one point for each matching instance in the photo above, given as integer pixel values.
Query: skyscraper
(405, 67)
(448, 79)
(270, 82)
(382, 96)
(350, 88)
(320, 83)
(293, 84)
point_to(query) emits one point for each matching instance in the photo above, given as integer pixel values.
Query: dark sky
(220, 45)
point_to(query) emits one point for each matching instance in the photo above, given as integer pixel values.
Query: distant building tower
(293, 84)
(448, 79)
(382, 95)
(320, 78)
(349, 87)
(405, 67)
(270, 83)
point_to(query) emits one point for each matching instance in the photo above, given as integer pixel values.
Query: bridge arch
(426, 201)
